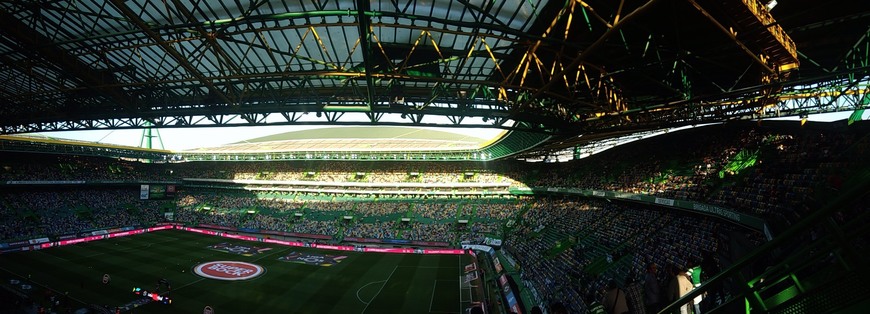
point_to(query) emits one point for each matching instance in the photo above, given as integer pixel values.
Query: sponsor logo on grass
(238, 249)
(312, 259)
(228, 270)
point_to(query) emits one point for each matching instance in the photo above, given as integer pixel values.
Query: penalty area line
(189, 283)
(432, 299)
(379, 290)
(53, 256)
(33, 282)
(267, 255)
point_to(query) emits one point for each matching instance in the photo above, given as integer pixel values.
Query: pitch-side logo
(228, 270)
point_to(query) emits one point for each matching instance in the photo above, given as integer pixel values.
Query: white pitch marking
(366, 285)
(382, 288)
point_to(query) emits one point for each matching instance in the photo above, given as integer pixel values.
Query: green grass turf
(362, 283)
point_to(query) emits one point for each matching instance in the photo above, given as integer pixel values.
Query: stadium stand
(31, 213)
(741, 211)
(568, 248)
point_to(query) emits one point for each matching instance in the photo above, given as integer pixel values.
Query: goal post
(465, 296)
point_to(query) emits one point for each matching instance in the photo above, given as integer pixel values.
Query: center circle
(228, 270)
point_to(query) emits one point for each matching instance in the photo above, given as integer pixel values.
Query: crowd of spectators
(437, 210)
(217, 217)
(328, 227)
(498, 211)
(263, 222)
(327, 206)
(785, 168)
(791, 163)
(40, 213)
(49, 167)
(228, 209)
(376, 230)
(236, 200)
(792, 170)
(429, 232)
(371, 209)
(277, 213)
(476, 232)
(691, 164)
(40, 167)
(571, 249)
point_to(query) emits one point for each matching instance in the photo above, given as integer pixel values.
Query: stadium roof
(556, 67)
(383, 139)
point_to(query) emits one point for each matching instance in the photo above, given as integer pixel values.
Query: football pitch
(354, 282)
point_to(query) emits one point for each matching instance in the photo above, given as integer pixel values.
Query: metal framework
(848, 91)
(560, 67)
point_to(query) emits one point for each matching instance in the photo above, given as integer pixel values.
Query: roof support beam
(733, 37)
(303, 76)
(594, 46)
(484, 12)
(121, 6)
(493, 29)
(209, 37)
(36, 43)
(363, 24)
(858, 54)
(834, 93)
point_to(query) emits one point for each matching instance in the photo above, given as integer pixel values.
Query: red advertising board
(287, 243)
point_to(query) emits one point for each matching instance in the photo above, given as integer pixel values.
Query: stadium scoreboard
(157, 191)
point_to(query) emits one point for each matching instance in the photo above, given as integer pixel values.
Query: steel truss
(846, 92)
(193, 72)
(846, 87)
(193, 77)
(173, 64)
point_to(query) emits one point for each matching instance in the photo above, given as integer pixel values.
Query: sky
(826, 117)
(178, 139)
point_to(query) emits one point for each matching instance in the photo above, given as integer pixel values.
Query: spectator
(614, 299)
(652, 289)
(679, 286)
